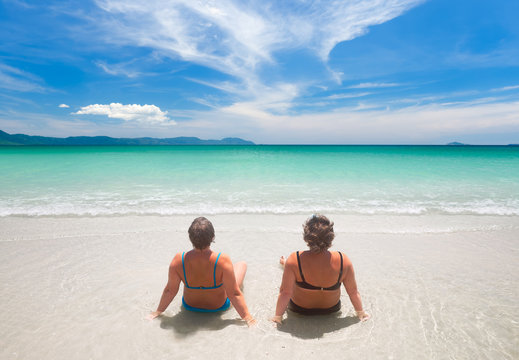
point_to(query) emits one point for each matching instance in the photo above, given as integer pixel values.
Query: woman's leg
(240, 268)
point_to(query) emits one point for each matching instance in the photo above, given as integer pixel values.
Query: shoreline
(27, 226)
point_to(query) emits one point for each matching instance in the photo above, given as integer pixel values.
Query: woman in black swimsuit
(312, 279)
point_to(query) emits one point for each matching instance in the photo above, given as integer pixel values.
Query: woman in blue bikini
(211, 281)
(312, 279)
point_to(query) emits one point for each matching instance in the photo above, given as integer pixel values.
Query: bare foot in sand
(282, 260)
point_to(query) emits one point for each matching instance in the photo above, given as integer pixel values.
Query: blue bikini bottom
(224, 307)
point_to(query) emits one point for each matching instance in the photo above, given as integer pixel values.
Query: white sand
(437, 287)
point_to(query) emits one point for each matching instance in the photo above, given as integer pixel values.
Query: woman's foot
(282, 260)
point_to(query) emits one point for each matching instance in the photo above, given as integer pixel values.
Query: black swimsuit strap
(340, 272)
(300, 271)
(306, 285)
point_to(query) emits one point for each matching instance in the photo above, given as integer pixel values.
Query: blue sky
(294, 72)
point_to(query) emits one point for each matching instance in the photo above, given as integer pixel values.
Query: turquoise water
(259, 179)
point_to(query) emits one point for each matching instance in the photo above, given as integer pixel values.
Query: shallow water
(176, 180)
(438, 287)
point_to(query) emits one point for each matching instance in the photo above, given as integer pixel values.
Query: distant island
(22, 139)
(455, 143)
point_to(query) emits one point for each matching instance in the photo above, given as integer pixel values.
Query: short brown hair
(201, 233)
(318, 233)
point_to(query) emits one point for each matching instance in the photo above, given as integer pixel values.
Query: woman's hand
(153, 315)
(277, 319)
(362, 315)
(250, 320)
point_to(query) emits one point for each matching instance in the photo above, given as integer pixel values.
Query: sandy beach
(437, 286)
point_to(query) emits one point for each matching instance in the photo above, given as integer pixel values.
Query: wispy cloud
(349, 125)
(145, 114)
(117, 69)
(416, 124)
(16, 100)
(34, 123)
(225, 86)
(347, 96)
(370, 85)
(12, 78)
(235, 38)
(63, 106)
(20, 3)
(506, 88)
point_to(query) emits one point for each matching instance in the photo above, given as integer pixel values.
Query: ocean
(191, 180)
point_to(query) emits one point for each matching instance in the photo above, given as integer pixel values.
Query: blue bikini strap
(214, 272)
(184, 269)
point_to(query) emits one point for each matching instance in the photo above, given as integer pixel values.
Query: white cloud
(12, 78)
(417, 124)
(363, 124)
(21, 4)
(144, 114)
(347, 96)
(276, 98)
(117, 69)
(370, 85)
(507, 88)
(15, 100)
(268, 100)
(63, 106)
(235, 37)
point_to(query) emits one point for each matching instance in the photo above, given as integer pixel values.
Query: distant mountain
(21, 139)
(455, 143)
(461, 144)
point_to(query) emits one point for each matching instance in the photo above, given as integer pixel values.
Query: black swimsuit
(303, 284)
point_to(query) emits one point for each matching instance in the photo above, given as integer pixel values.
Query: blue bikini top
(201, 287)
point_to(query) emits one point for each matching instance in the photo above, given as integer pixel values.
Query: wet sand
(437, 287)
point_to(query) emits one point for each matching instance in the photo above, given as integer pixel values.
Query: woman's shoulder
(221, 257)
(345, 259)
(292, 258)
(293, 255)
(181, 254)
(176, 261)
(340, 253)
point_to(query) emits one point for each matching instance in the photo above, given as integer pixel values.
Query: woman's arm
(233, 290)
(286, 288)
(351, 288)
(170, 290)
